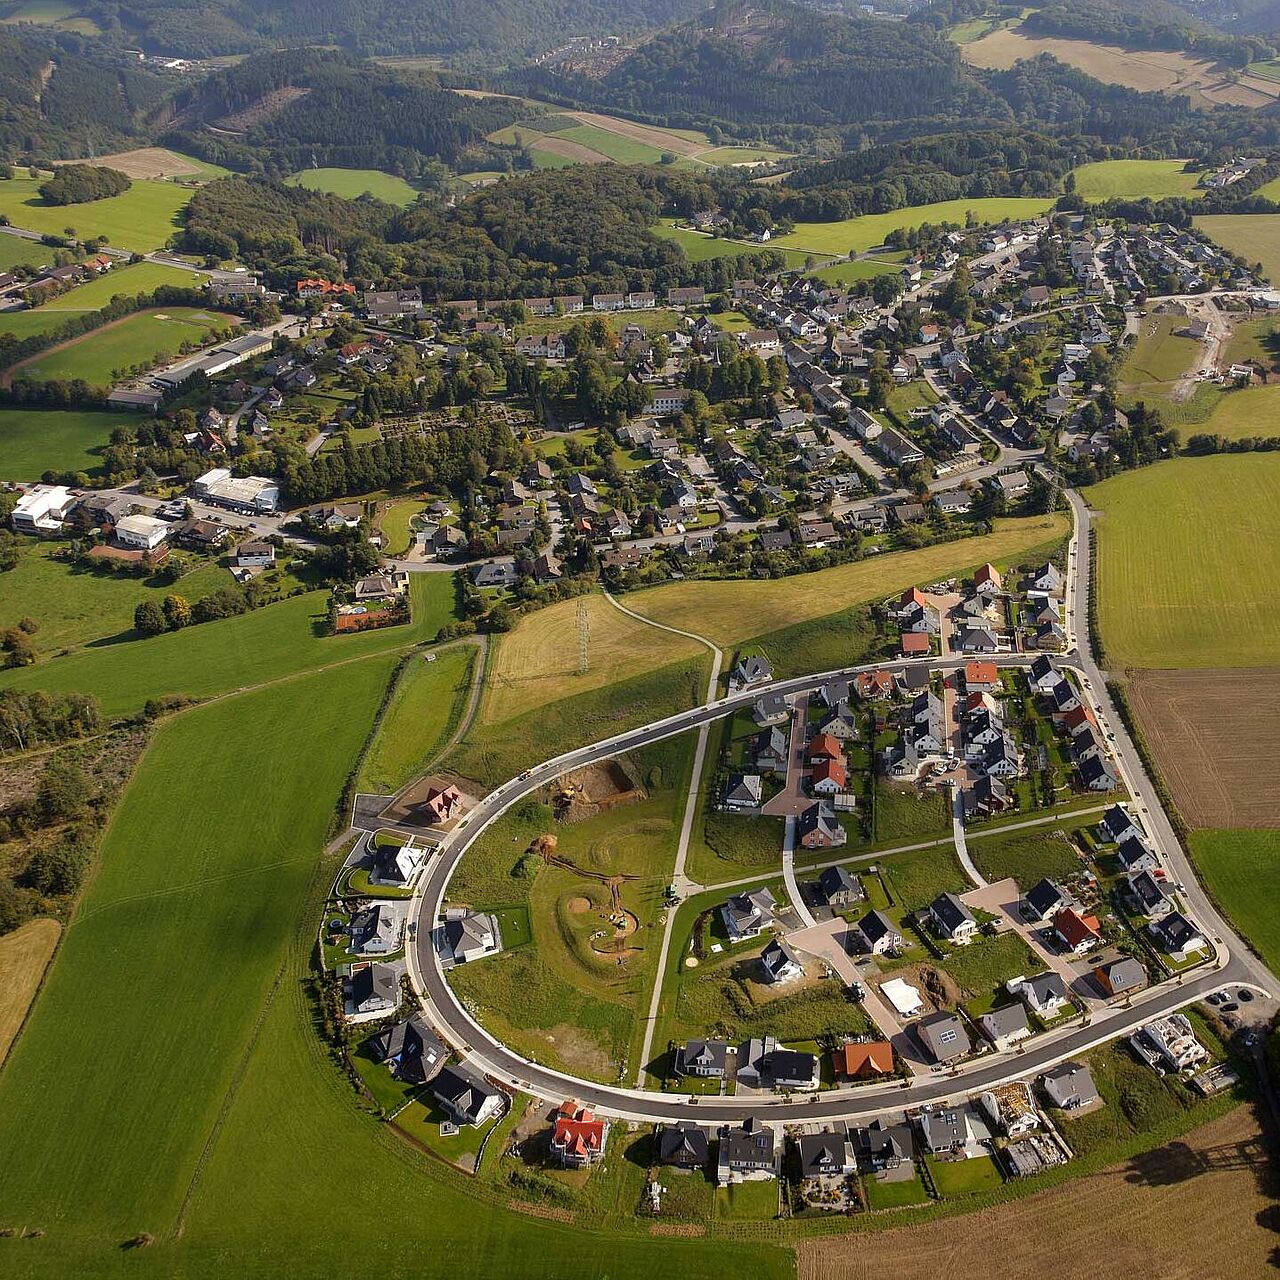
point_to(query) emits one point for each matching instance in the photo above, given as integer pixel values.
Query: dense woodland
(80, 183)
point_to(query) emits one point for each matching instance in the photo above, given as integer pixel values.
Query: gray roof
(749, 1145)
(776, 957)
(414, 1051)
(823, 1153)
(950, 912)
(876, 925)
(375, 984)
(682, 1144)
(1125, 974)
(837, 879)
(463, 1091)
(1006, 1020)
(1069, 1084)
(707, 1055)
(944, 1036)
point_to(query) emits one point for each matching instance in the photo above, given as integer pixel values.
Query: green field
(66, 15)
(141, 219)
(700, 248)
(621, 149)
(352, 183)
(1027, 856)
(144, 340)
(1188, 557)
(1255, 237)
(33, 441)
(1242, 871)
(1161, 355)
(862, 269)
(1136, 180)
(1238, 415)
(856, 235)
(425, 708)
(18, 252)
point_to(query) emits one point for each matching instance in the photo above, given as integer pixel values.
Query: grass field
(988, 963)
(1242, 871)
(33, 441)
(1027, 856)
(861, 269)
(425, 708)
(24, 956)
(1256, 237)
(1257, 340)
(700, 248)
(66, 15)
(855, 235)
(1158, 360)
(17, 252)
(730, 612)
(918, 877)
(140, 277)
(1136, 180)
(1239, 415)
(140, 220)
(352, 183)
(1188, 554)
(395, 524)
(140, 340)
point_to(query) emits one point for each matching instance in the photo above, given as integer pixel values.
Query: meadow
(856, 235)
(24, 955)
(352, 183)
(141, 340)
(15, 251)
(1255, 237)
(1028, 856)
(140, 219)
(1240, 415)
(861, 269)
(1242, 871)
(1136, 180)
(33, 441)
(729, 612)
(1188, 554)
(1159, 359)
(699, 248)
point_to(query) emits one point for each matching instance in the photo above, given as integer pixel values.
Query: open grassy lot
(902, 815)
(861, 269)
(33, 441)
(1243, 414)
(698, 247)
(1189, 551)
(988, 963)
(1255, 237)
(730, 612)
(918, 877)
(1242, 870)
(140, 220)
(140, 277)
(353, 183)
(1257, 340)
(855, 235)
(24, 955)
(1159, 359)
(140, 340)
(1028, 856)
(1136, 180)
(395, 523)
(424, 710)
(155, 162)
(618, 148)
(66, 15)
(965, 1177)
(17, 252)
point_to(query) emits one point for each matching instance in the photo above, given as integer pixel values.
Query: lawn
(395, 524)
(988, 963)
(424, 710)
(747, 1200)
(616, 146)
(1254, 340)
(1027, 856)
(353, 183)
(730, 612)
(856, 235)
(894, 1195)
(1242, 871)
(965, 1177)
(141, 277)
(1159, 359)
(918, 877)
(902, 816)
(1136, 180)
(15, 251)
(1188, 555)
(140, 220)
(33, 441)
(862, 269)
(1255, 237)
(699, 247)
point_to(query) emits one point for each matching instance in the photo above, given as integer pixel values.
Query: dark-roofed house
(818, 828)
(1098, 773)
(1134, 855)
(376, 930)
(372, 989)
(751, 671)
(1043, 901)
(1177, 936)
(952, 919)
(1120, 976)
(780, 963)
(770, 709)
(705, 1058)
(945, 1129)
(944, 1036)
(1117, 823)
(682, 1145)
(828, 1154)
(879, 1147)
(839, 887)
(746, 1151)
(879, 935)
(769, 750)
(747, 915)
(744, 791)
(467, 1097)
(1069, 1086)
(470, 936)
(764, 1064)
(411, 1049)
(1149, 896)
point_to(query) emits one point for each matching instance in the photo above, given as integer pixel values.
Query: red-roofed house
(825, 747)
(859, 1061)
(987, 581)
(829, 777)
(1076, 717)
(1076, 932)
(915, 644)
(874, 684)
(578, 1138)
(912, 596)
(443, 803)
(981, 676)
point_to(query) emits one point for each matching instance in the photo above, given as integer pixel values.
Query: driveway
(791, 800)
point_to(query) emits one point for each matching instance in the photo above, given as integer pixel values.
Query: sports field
(33, 441)
(139, 341)
(1136, 180)
(350, 183)
(730, 612)
(1188, 558)
(856, 235)
(140, 219)
(1159, 359)
(1255, 237)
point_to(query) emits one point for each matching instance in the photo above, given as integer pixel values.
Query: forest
(80, 183)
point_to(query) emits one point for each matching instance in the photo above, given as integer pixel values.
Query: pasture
(1255, 237)
(856, 235)
(17, 251)
(1242, 871)
(33, 441)
(24, 955)
(1208, 730)
(861, 269)
(729, 612)
(140, 219)
(1188, 554)
(1243, 414)
(352, 183)
(1136, 180)
(140, 277)
(139, 341)
(1159, 360)
(699, 247)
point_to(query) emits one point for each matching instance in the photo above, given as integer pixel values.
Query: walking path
(962, 849)
(789, 873)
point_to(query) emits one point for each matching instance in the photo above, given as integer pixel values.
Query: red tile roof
(829, 769)
(577, 1131)
(1076, 929)
(856, 1060)
(914, 642)
(981, 673)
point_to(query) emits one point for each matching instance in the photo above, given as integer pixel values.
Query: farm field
(351, 183)
(154, 162)
(1168, 595)
(141, 219)
(141, 277)
(1208, 730)
(24, 955)
(66, 15)
(141, 340)
(1242, 870)
(15, 251)
(1159, 359)
(1256, 237)
(856, 235)
(425, 708)
(729, 612)
(1136, 180)
(861, 269)
(1239, 415)
(33, 441)
(701, 248)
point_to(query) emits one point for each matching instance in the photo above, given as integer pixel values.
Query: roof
(1045, 897)
(944, 1035)
(707, 1054)
(1005, 1021)
(1122, 975)
(915, 642)
(578, 1132)
(682, 1143)
(777, 957)
(1075, 929)
(1070, 1083)
(869, 1056)
(950, 912)
(835, 879)
(823, 1152)
(463, 1090)
(876, 925)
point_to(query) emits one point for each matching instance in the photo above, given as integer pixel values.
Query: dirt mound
(578, 906)
(544, 844)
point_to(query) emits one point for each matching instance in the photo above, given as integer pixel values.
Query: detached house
(952, 919)
(579, 1138)
(703, 1058)
(748, 915)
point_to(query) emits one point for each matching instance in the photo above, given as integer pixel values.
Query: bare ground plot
(1201, 1206)
(1215, 735)
(24, 955)
(571, 150)
(660, 138)
(144, 162)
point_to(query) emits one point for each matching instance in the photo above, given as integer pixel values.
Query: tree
(499, 618)
(57, 870)
(177, 612)
(62, 790)
(149, 619)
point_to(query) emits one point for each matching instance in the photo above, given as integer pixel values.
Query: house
(824, 746)
(1133, 855)
(750, 672)
(1075, 932)
(842, 723)
(375, 931)
(704, 1058)
(1045, 994)
(772, 709)
(1011, 1110)
(981, 677)
(829, 777)
(764, 1064)
(1098, 774)
(1117, 825)
(682, 1146)
(780, 963)
(1169, 1044)
(140, 533)
(863, 1060)
(879, 1147)
(1177, 937)
(747, 915)
(1149, 896)
(952, 919)
(255, 555)
(953, 502)
(875, 685)
(396, 865)
(665, 401)
(838, 887)
(1069, 1087)
(1047, 578)
(944, 1036)
(746, 1152)
(578, 1137)
(469, 936)
(826, 1154)
(1119, 977)
(1005, 1026)
(945, 1130)
(1043, 901)
(413, 1052)
(879, 935)
(443, 804)
(979, 640)
(818, 828)
(915, 644)
(466, 1096)
(373, 989)
(986, 797)
(769, 750)
(744, 791)
(1063, 697)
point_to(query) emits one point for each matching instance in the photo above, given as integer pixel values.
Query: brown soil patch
(936, 987)
(587, 792)
(570, 150)
(541, 1210)
(578, 906)
(24, 955)
(143, 162)
(265, 107)
(1201, 1206)
(1214, 734)
(659, 138)
(576, 1046)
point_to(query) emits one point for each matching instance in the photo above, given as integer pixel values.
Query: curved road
(1232, 965)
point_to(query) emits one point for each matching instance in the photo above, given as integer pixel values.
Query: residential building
(704, 1058)
(1075, 932)
(879, 935)
(578, 1137)
(1169, 1044)
(373, 990)
(1120, 977)
(414, 1053)
(747, 915)
(944, 1036)
(880, 1147)
(744, 791)
(838, 886)
(952, 919)
(1177, 937)
(466, 1096)
(376, 929)
(945, 1130)
(1043, 901)
(863, 1060)
(1069, 1087)
(780, 963)
(469, 935)
(764, 1064)
(746, 1152)
(1005, 1025)
(1045, 994)
(1148, 895)
(682, 1145)
(826, 1154)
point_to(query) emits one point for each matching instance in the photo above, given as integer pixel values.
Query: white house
(143, 533)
